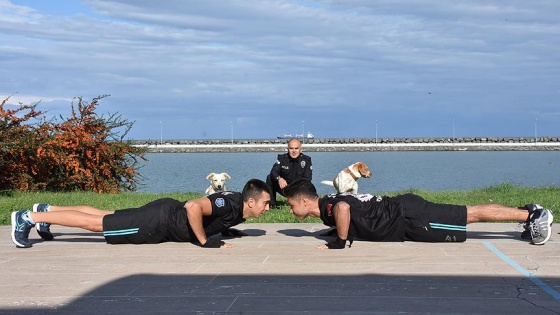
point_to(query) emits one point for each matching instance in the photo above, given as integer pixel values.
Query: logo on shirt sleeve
(220, 202)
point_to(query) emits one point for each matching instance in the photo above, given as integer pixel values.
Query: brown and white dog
(217, 182)
(347, 179)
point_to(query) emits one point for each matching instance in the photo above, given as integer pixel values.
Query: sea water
(392, 171)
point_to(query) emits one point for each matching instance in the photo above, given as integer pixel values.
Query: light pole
(160, 132)
(535, 130)
(376, 132)
(453, 129)
(303, 131)
(231, 132)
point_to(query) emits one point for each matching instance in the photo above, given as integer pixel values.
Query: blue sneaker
(21, 229)
(44, 229)
(540, 225)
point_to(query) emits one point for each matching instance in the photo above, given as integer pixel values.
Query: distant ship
(309, 135)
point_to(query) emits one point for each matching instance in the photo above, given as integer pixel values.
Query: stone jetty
(356, 144)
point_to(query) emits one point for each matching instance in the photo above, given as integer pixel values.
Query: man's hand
(336, 244)
(216, 244)
(282, 183)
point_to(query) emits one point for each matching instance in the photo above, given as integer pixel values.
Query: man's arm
(342, 219)
(275, 171)
(308, 171)
(196, 209)
(341, 213)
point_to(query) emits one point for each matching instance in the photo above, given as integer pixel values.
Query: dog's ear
(226, 175)
(362, 167)
(354, 167)
(210, 175)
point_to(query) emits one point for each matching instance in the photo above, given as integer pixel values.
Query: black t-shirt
(372, 218)
(292, 169)
(227, 211)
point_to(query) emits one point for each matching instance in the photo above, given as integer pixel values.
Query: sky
(256, 69)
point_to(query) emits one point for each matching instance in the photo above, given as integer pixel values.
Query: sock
(27, 217)
(46, 207)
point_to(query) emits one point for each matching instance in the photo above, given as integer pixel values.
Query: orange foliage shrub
(82, 152)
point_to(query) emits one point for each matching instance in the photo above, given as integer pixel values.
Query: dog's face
(362, 168)
(218, 180)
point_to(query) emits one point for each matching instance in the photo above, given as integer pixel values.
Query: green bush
(84, 152)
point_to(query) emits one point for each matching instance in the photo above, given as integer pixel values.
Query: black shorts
(163, 220)
(432, 222)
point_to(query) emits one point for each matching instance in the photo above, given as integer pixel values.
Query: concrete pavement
(277, 270)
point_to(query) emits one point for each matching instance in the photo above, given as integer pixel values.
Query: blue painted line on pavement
(550, 291)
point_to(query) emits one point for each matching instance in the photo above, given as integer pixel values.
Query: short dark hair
(301, 187)
(254, 188)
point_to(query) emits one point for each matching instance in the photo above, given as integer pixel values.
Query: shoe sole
(18, 245)
(549, 223)
(47, 236)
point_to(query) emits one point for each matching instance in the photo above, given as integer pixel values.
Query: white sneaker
(540, 226)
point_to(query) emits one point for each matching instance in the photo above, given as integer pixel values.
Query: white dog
(347, 179)
(217, 182)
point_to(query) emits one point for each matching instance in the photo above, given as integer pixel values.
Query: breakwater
(356, 144)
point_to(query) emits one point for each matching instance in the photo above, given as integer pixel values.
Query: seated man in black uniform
(288, 167)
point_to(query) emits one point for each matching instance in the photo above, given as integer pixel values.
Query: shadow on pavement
(313, 294)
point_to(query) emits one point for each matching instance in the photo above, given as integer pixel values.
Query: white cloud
(16, 99)
(280, 60)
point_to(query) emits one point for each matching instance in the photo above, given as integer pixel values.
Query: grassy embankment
(511, 195)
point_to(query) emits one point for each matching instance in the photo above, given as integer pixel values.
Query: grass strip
(506, 194)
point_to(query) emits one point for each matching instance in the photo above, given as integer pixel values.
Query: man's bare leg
(72, 218)
(539, 220)
(494, 213)
(24, 220)
(82, 209)
(43, 228)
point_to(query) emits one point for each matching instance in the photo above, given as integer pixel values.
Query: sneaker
(21, 229)
(540, 226)
(526, 234)
(44, 229)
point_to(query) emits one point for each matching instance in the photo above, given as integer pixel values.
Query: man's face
(298, 207)
(294, 149)
(259, 206)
